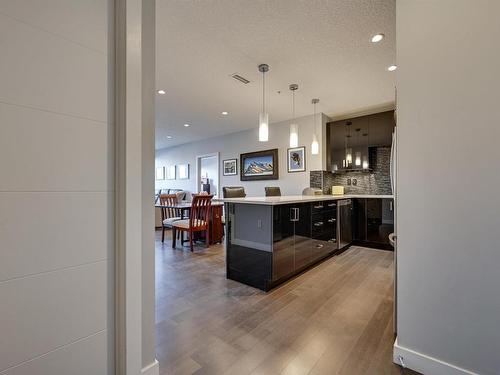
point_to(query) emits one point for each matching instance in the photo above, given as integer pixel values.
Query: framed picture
(260, 165)
(183, 171)
(170, 172)
(296, 159)
(230, 167)
(160, 173)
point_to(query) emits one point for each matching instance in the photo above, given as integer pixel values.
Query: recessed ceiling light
(187, 125)
(225, 113)
(169, 137)
(161, 92)
(392, 68)
(377, 38)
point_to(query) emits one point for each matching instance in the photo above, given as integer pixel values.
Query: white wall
(448, 204)
(232, 145)
(56, 188)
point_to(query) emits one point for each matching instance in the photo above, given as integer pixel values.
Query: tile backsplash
(377, 181)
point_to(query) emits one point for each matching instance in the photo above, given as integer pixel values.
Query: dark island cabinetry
(267, 244)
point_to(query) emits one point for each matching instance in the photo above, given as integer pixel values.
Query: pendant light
(366, 163)
(315, 143)
(264, 116)
(357, 159)
(294, 127)
(348, 150)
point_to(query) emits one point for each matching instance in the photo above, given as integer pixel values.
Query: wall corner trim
(151, 369)
(426, 364)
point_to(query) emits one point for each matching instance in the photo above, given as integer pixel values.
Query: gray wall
(56, 188)
(448, 210)
(230, 146)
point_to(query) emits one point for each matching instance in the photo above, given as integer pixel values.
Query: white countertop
(297, 198)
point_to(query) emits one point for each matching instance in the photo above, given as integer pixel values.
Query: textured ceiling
(323, 45)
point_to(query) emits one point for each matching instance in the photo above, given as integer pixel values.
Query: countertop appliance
(344, 220)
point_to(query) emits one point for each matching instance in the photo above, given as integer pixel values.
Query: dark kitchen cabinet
(379, 220)
(359, 220)
(373, 221)
(291, 239)
(323, 229)
(302, 234)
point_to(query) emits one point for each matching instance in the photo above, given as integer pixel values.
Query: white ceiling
(322, 45)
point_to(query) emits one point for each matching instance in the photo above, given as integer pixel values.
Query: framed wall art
(170, 172)
(260, 165)
(183, 171)
(230, 167)
(160, 173)
(296, 159)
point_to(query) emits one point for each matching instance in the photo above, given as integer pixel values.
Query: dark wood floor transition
(333, 319)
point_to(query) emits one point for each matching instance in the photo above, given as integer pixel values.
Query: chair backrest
(273, 191)
(233, 192)
(168, 200)
(200, 210)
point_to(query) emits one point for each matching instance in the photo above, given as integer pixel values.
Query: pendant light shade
(348, 156)
(357, 160)
(294, 128)
(294, 135)
(264, 116)
(263, 127)
(365, 163)
(315, 143)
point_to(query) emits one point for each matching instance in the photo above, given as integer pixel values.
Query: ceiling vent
(237, 77)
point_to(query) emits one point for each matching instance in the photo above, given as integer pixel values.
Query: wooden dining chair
(168, 215)
(198, 220)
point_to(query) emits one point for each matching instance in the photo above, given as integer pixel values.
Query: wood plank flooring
(333, 319)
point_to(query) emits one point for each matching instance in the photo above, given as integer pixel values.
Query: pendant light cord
(314, 117)
(263, 92)
(293, 105)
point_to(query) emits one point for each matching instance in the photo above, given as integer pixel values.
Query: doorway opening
(207, 173)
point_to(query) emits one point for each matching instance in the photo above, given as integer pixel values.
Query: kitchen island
(271, 239)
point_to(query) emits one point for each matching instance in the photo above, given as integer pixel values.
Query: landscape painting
(260, 165)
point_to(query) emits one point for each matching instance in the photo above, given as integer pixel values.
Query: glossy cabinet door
(283, 241)
(379, 220)
(303, 233)
(303, 243)
(359, 220)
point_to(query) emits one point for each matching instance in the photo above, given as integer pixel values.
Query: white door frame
(198, 169)
(134, 113)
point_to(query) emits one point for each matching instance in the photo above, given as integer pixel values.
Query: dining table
(184, 208)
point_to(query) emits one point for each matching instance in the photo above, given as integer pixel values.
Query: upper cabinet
(352, 142)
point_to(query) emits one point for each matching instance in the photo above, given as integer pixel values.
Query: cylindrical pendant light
(348, 150)
(294, 127)
(314, 143)
(263, 116)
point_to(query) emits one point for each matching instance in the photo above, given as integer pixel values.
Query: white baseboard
(152, 369)
(425, 364)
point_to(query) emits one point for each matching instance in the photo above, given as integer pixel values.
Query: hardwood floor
(333, 319)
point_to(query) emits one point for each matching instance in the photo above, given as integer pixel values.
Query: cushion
(170, 220)
(185, 223)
